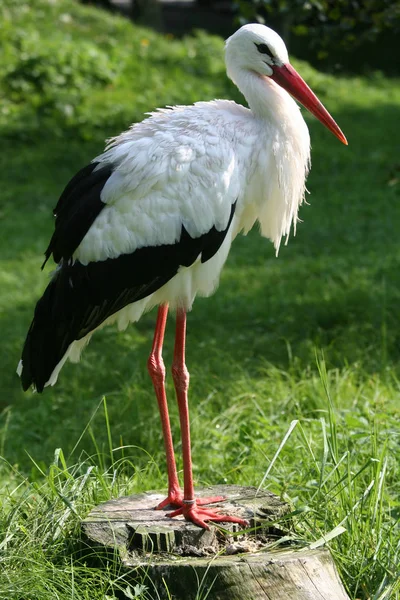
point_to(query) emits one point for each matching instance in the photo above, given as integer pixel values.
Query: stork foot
(175, 498)
(200, 516)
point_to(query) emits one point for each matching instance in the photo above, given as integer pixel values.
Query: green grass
(312, 336)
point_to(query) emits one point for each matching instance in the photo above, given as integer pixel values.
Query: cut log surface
(184, 562)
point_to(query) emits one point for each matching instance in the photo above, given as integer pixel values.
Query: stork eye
(263, 48)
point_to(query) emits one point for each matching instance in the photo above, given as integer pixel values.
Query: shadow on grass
(335, 287)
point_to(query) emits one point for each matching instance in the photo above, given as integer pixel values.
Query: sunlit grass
(336, 468)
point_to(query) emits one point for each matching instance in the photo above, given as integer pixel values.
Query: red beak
(288, 78)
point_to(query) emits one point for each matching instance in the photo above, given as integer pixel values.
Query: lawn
(310, 337)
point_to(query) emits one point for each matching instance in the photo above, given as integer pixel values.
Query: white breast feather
(283, 167)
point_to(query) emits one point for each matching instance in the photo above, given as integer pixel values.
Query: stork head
(258, 49)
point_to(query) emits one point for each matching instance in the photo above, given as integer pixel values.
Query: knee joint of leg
(156, 367)
(180, 375)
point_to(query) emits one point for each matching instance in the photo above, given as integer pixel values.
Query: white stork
(151, 220)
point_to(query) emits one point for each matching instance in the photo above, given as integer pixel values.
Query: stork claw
(199, 516)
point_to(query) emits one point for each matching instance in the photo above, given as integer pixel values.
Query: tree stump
(183, 562)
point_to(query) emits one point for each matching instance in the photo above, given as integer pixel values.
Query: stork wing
(81, 297)
(124, 227)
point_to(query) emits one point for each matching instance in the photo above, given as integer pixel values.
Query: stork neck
(266, 99)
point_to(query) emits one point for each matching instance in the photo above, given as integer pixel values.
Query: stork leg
(191, 507)
(156, 368)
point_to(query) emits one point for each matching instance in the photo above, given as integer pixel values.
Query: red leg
(156, 368)
(190, 509)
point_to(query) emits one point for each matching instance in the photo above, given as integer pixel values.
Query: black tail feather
(77, 300)
(47, 340)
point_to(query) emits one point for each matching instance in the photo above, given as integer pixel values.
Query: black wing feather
(77, 208)
(81, 297)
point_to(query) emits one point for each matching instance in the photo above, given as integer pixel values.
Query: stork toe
(200, 516)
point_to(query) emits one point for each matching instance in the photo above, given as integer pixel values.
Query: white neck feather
(286, 146)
